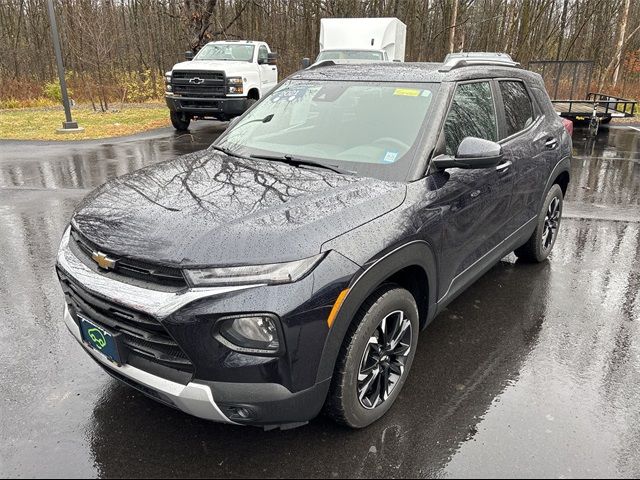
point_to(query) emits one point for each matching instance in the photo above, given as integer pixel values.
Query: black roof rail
(469, 59)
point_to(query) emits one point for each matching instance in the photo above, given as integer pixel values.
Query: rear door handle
(551, 143)
(503, 167)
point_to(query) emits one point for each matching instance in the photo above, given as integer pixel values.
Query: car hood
(207, 208)
(229, 66)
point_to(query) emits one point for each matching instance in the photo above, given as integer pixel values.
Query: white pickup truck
(221, 81)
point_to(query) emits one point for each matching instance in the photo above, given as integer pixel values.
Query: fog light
(257, 334)
(238, 412)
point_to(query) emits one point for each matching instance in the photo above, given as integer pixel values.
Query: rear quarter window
(518, 109)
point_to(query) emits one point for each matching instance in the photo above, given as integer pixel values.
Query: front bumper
(194, 398)
(215, 106)
(275, 391)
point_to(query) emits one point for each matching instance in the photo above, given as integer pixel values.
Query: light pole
(69, 126)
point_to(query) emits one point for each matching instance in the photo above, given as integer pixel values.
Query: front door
(474, 203)
(268, 73)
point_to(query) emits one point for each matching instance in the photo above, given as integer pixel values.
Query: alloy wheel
(551, 223)
(384, 359)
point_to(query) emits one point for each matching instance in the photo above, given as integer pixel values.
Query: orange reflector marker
(336, 307)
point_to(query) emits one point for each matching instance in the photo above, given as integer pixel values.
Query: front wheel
(375, 358)
(539, 245)
(180, 121)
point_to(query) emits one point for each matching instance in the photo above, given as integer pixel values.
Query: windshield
(368, 128)
(226, 51)
(349, 55)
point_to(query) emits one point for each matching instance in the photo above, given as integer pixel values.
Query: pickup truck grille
(142, 335)
(198, 84)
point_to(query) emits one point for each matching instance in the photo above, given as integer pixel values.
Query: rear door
(475, 203)
(523, 138)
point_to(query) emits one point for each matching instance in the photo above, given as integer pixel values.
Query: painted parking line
(634, 128)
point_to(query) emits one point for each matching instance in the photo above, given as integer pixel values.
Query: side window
(263, 54)
(518, 110)
(472, 114)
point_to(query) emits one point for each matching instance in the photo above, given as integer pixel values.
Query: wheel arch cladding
(562, 179)
(412, 266)
(559, 173)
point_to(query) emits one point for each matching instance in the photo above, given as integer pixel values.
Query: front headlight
(167, 78)
(234, 85)
(271, 274)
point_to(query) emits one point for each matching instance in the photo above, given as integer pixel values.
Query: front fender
(253, 81)
(416, 253)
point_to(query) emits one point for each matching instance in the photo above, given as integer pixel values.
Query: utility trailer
(566, 79)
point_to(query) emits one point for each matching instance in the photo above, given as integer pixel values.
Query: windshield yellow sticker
(407, 92)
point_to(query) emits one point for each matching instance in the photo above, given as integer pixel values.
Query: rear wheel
(375, 358)
(180, 121)
(540, 244)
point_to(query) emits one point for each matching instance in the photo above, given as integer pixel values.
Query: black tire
(344, 404)
(539, 245)
(180, 121)
(250, 102)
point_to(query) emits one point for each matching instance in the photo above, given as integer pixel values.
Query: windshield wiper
(296, 162)
(226, 151)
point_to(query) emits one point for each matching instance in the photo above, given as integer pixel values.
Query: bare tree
(105, 39)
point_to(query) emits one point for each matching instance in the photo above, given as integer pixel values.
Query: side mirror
(472, 153)
(189, 55)
(305, 62)
(272, 58)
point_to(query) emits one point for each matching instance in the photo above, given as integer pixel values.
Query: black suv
(290, 267)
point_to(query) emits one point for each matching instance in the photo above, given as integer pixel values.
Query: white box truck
(362, 39)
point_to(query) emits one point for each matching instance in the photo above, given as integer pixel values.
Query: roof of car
(407, 72)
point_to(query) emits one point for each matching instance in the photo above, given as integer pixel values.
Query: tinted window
(263, 54)
(518, 110)
(472, 114)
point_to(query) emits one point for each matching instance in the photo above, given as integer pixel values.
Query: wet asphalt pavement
(533, 372)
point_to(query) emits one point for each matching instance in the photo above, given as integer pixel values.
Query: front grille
(198, 84)
(127, 267)
(141, 334)
(199, 91)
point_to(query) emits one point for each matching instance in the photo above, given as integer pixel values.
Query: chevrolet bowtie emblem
(103, 261)
(196, 80)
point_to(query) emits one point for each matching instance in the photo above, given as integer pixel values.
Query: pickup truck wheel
(180, 121)
(375, 358)
(250, 102)
(539, 246)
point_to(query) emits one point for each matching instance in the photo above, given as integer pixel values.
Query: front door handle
(503, 167)
(551, 143)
